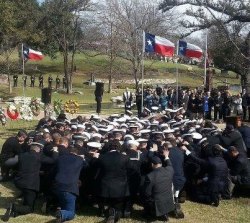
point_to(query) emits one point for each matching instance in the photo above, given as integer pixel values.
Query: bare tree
(127, 19)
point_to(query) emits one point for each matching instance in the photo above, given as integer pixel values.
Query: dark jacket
(10, 148)
(112, 175)
(28, 171)
(134, 171)
(233, 138)
(68, 168)
(29, 164)
(176, 156)
(245, 132)
(217, 170)
(240, 167)
(158, 189)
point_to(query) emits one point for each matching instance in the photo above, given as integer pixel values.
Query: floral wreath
(12, 112)
(2, 117)
(35, 106)
(58, 106)
(26, 112)
(71, 106)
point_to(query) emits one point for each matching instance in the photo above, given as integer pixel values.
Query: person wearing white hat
(134, 174)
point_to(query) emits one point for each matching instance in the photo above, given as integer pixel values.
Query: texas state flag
(157, 44)
(29, 54)
(189, 50)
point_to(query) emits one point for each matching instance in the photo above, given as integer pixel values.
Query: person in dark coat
(158, 188)
(232, 137)
(15, 78)
(218, 100)
(245, 133)
(58, 82)
(50, 79)
(27, 180)
(24, 80)
(239, 167)
(216, 181)
(66, 187)
(226, 105)
(134, 174)
(32, 80)
(10, 150)
(113, 180)
(41, 81)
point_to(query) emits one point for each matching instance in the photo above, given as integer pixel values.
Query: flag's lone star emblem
(149, 42)
(181, 48)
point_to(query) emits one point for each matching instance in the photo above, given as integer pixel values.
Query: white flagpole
(205, 62)
(177, 74)
(142, 70)
(23, 71)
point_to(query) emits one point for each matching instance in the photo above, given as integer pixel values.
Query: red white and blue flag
(160, 45)
(29, 54)
(189, 50)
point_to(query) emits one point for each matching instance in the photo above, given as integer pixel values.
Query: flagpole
(142, 70)
(23, 71)
(177, 74)
(205, 62)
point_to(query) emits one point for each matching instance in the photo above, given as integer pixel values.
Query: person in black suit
(113, 180)
(32, 80)
(218, 100)
(158, 193)
(15, 78)
(50, 79)
(216, 181)
(41, 81)
(232, 137)
(239, 167)
(66, 187)
(10, 151)
(28, 180)
(134, 174)
(245, 133)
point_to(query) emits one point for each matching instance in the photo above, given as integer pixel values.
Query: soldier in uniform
(158, 188)
(113, 181)
(27, 180)
(24, 80)
(15, 78)
(10, 150)
(41, 81)
(50, 79)
(64, 82)
(57, 82)
(32, 80)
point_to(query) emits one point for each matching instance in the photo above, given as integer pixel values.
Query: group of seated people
(116, 162)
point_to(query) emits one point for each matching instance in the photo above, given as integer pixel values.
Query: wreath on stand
(71, 107)
(35, 106)
(2, 117)
(12, 112)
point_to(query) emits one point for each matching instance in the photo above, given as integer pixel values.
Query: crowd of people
(214, 105)
(156, 160)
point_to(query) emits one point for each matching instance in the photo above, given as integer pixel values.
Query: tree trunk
(9, 76)
(247, 81)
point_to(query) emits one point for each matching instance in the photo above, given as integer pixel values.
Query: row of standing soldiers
(41, 81)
